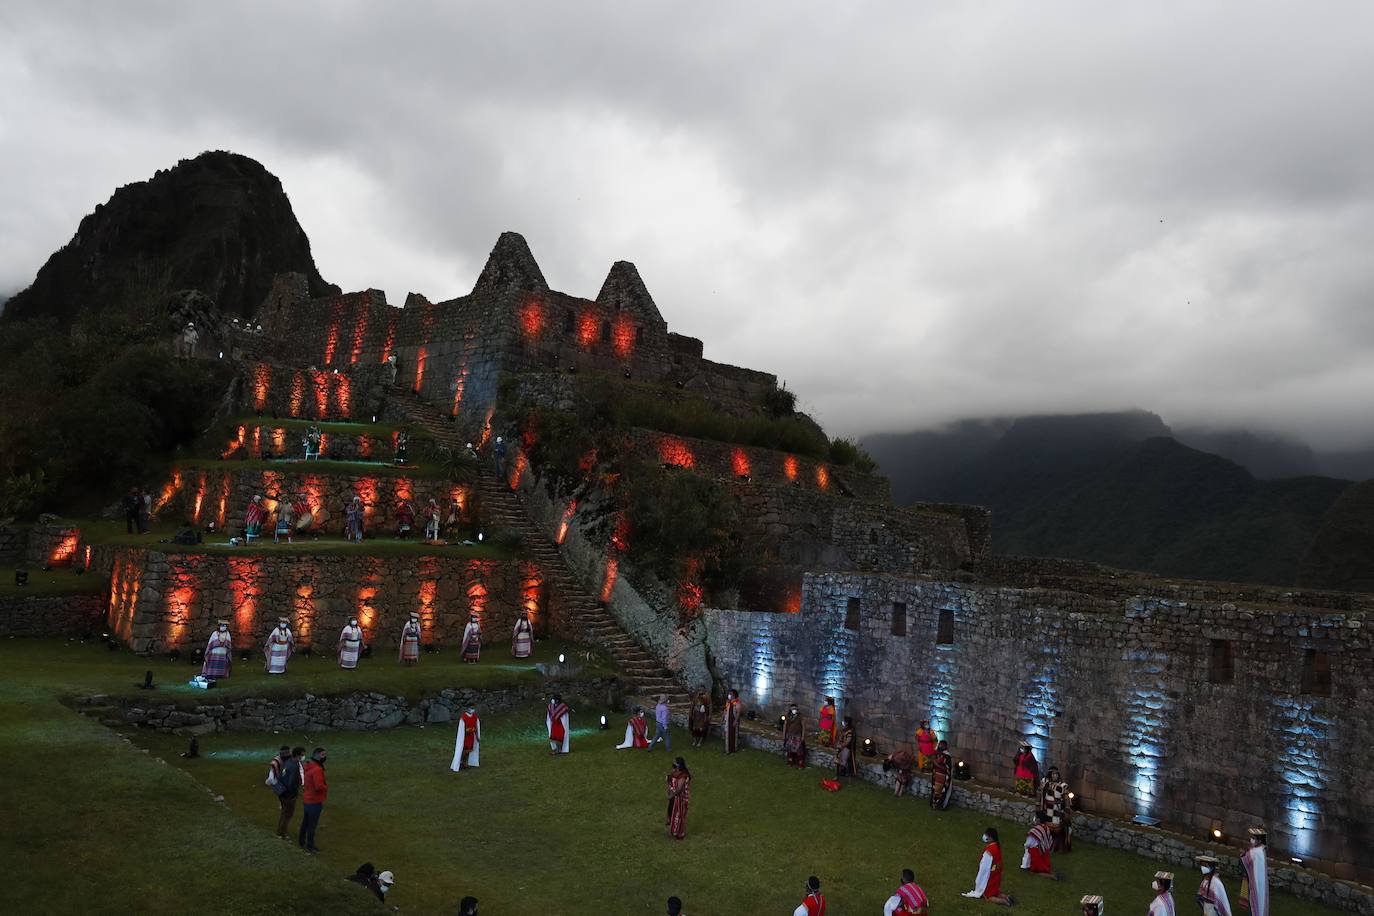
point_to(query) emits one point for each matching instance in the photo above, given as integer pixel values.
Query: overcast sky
(909, 212)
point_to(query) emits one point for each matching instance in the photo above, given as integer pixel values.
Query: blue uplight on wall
(1304, 733)
(1145, 729)
(1040, 704)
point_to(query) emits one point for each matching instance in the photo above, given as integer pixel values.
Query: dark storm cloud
(909, 214)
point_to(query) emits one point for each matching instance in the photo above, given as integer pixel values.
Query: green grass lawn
(60, 581)
(106, 531)
(119, 673)
(417, 471)
(328, 428)
(106, 828)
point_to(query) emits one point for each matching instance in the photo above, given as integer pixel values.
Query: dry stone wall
(1199, 712)
(51, 615)
(163, 601)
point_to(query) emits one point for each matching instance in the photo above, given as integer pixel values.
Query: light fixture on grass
(869, 750)
(782, 722)
(562, 658)
(962, 771)
(604, 724)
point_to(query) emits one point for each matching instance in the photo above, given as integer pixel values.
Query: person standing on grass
(556, 721)
(1026, 770)
(988, 884)
(1211, 894)
(350, 644)
(288, 788)
(472, 640)
(315, 790)
(409, 651)
(145, 512)
(662, 720)
(679, 797)
(279, 645)
(636, 731)
(1163, 904)
(1055, 801)
(794, 738)
(941, 777)
(353, 520)
(846, 758)
(699, 719)
(432, 519)
(522, 639)
(469, 742)
(131, 503)
(219, 651)
(813, 904)
(1254, 890)
(1039, 843)
(910, 899)
(730, 721)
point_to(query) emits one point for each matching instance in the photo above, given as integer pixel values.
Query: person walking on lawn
(315, 791)
(288, 788)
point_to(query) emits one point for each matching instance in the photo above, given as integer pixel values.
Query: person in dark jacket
(288, 788)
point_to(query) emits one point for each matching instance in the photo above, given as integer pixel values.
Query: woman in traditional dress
(253, 517)
(679, 797)
(405, 519)
(279, 645)
(827, 723)
(472, 640)
(988, 884)
(432, 515)
(353, 520)
(699, 719)
(1054, 801)
(925, 745)
(846, 760)
(731, 715)
(409, 651)
(941, 777)
(522, 639)
(219, 652)
(794, 738)
(285, 521)
(350, 644)
(1026, 770)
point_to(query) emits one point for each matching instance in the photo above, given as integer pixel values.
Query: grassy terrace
(328, 427)
(53, 582)
(420, 470)
(132, 827)
(105, 531)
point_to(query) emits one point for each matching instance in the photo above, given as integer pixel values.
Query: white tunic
(458, 746)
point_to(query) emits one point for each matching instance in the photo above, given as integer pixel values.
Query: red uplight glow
(620, 537)
(689, 591)
(608, 583)
(297, 393)
(170, 489)
(244, 590)
(739, 462)
(305, 611)
(586, 329)
(64, 550)
(532, 318)
(389, 345)
(789, 467)
(672, 450)
(343, 396)
(319, 380)
(420, 356)
(366, 488)
(460, 383)
(403, 489)
(359, 333)
(262, 381)
(223, 500)
(517, 471)
(623, 336)
(822, 477)
(331, 343)
(199, 498)
(566, 520)
(793, 602)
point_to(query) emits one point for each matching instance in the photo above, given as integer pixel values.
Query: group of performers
(295, 514)
(281, 644)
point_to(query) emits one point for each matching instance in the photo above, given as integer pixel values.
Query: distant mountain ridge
(219, 223)
(1119, 489)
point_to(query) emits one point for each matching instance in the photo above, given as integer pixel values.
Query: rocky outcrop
(219, 224)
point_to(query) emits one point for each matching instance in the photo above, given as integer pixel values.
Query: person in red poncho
(1039, 843)
(988, 885)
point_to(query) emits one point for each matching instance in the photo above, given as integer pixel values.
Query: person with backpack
(288, 788)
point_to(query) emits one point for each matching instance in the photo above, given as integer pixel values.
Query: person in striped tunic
(219, 651)
(1163, 904)
(279, 645)
(1254, 892)
(409, 651)
(1039, 843)
(910, 899)
(522, 639)
(350, 644)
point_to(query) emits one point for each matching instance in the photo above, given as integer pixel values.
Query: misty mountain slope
(1118, 489)
(1342, 553)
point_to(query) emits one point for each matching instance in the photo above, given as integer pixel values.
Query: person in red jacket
(314, 791)
(814, 902)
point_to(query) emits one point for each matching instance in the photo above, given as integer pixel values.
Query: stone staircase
(645, 677)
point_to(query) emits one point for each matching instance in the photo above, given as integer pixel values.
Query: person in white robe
(1254, 893)
(469, 741)
(350, 644)
(1211, 894)
(556, 722)
(1163, 904)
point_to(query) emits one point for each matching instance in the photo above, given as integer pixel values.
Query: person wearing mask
(988, 885)
(467, 748)
(467, 906)
(926, 742)
(1163, 904)
(679, 798)
(280, 642)
(813, 904)
(1025, 770)
(288, 788)
(636, 731)
(910, 899)
(408, 651)
(219, 650)
(350, 644)
(315, 791)
(699, 719)
(661, 723)
(1211, 894)
(1254, 891)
